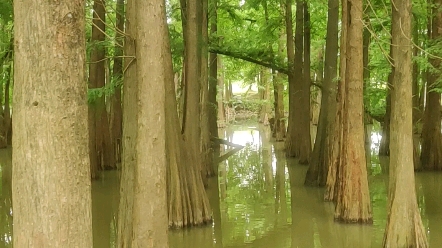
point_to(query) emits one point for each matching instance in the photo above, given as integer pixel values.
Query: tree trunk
(116, 110)
(279, 127)
(192, 76)
(208, 169)
(384, 147)
(305, 145)
(213, 73)
(296, 79)
(336, 127)
(318, 169)
(264, 113)
(51, 189)
(417, 114)
(188, 203)
(431, 155)
(222, 96)
(404, 224)
(353, 199)
(150, 217)
(129, 137)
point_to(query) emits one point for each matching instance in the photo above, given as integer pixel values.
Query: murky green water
(260, 202)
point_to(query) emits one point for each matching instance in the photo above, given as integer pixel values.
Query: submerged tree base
(367, 221)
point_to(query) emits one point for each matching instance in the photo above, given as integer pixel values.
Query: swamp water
(260, 202)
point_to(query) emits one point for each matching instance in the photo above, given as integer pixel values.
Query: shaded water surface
(260, 202)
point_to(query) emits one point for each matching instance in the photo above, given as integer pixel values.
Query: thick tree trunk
(129, 137)
(353, 199)
(431, 155)
(319, 164)
(336, 128)
(292, 143)
(404, 224)
(51, 189)
(150, 217)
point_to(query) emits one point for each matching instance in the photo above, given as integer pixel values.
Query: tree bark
(404, 224)
(431, 155)
(51, 171)
(129, 135)
(296, 79)
(150, 206)
(318, 169)
(353, 199)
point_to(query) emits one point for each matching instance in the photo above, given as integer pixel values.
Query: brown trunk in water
(431, 155)
(417, 114)
(336, 128)
(213, 74)
(206, 149)
(279, 127)
(318, 168)
(150, 217)
(404, 224)
(352, 194)
(144, 223)
(188, 203)
(129, 136)
(192, 76)
(116, 110)
(51, 189)
(296, 79)
(305, 145)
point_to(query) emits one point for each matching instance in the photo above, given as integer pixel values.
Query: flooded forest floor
(261, 201)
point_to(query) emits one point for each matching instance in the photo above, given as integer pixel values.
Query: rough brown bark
(192, 76)
(336, 128)
(404, 224)
(150, 197)
(51, 171)
(318, 169)
(296, 79)
(431, 155)
(298, 141)
(129, 135)
(188, 203)
(352, 194)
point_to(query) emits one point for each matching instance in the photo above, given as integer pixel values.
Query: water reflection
(259, 200)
